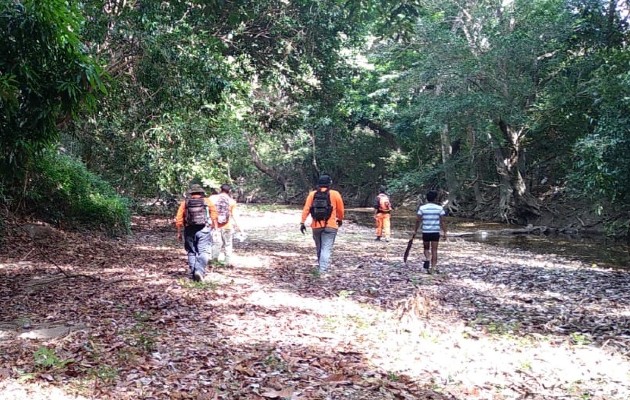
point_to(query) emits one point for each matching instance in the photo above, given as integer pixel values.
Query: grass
(344, 294)
(105, 373)
(46, 359)
(202, 285)
(580, 339)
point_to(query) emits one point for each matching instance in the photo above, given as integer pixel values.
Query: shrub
(62, 191)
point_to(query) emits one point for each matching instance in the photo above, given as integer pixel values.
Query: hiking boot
(378, 239)
(426, 266)
(198, 276)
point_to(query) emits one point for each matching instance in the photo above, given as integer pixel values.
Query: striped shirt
(431, 214)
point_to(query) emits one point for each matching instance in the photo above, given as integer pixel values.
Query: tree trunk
(472, 141)
(452, 182)
(264, 168)
(314, 151)
(516, 202)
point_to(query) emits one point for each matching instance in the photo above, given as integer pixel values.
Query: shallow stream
(595, 250)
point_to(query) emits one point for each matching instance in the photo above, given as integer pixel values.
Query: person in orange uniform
(382, 213)
(224, 221)
(325, 206)
(193, 217)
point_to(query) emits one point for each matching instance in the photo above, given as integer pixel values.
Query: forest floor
(87, 317)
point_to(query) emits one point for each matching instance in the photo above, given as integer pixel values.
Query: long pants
(324, 239)
(223, 240)
(383, 225)
(198, 245)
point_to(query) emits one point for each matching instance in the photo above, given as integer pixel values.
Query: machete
(408, 249)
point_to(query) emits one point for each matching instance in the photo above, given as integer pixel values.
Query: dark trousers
(198, 245)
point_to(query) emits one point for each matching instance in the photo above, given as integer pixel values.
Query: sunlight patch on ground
(15, 390)
(287, 254)
(388, 344)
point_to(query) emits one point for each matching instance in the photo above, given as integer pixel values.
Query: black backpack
(196, 211)
(321, 208)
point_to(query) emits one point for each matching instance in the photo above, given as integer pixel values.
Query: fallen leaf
(286, 393)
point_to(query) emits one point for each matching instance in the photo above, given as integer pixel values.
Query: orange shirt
(214, 214)
(337, 210)
(181, 211)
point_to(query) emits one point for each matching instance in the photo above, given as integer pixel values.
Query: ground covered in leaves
(84, 316)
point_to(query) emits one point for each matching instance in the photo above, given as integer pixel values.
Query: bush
(62, 191)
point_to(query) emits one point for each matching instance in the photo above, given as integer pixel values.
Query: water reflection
(595, 250)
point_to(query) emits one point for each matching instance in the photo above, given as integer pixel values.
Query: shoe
(198, 276)
(378, 239)
(426, 265)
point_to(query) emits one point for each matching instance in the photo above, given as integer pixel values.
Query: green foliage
(580, 339)
(602, 157)
(192, 82)
(105, 373)
(46, 358)
(45, 78)
(205, 285)
(142, 337)
(62, 191)
(268, 96)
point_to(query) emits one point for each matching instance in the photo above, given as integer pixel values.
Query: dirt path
(98, 318)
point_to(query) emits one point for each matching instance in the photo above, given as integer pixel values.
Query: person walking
(194, 219)
(382, 214)
(325, 206)
(224, 221)
(431, 217)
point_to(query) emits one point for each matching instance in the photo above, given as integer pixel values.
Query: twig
(27, 254)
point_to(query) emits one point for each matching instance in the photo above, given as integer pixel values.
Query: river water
(595, 250)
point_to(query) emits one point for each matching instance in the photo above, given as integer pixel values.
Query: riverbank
(596, 250)
(497, 324)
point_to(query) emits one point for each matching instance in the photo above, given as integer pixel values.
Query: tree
(471, 75)
(46, 77)
(191, 76)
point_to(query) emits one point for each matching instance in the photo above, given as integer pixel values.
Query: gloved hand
(339, 223)
(302, 229)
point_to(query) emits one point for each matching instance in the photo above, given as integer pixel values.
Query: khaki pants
(222, 239)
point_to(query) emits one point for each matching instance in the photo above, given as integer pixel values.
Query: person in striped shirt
(431, 216)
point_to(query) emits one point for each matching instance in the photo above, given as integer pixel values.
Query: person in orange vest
(326, 209)
(225, 221)
(382, 214)
(194, 219)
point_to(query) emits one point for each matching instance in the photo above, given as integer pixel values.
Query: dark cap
(324, 180)
(195, 188)
(382, 189)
